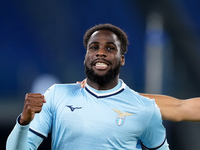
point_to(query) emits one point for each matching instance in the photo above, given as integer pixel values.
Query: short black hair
(119, 32)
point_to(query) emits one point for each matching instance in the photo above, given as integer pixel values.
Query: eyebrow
(106, 43)
(110, 43)
(93, 43)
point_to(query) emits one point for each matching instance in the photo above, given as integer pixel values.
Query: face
(103, 59)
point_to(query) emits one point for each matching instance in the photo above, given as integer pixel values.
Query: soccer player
(106, 114)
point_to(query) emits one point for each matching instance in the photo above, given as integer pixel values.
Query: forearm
(18, 138)
(191, 110)
(22, 139)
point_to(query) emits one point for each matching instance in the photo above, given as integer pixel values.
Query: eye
(93, 47)
(110, 48)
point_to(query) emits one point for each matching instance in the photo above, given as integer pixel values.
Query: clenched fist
(33, 104)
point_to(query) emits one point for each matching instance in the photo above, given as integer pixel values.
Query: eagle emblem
(121, 117)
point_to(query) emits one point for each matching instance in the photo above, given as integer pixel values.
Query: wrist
(21, 121)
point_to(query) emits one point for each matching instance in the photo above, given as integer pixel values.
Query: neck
(108, 86)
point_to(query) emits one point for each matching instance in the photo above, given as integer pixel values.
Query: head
(105, 45)
(119, 32)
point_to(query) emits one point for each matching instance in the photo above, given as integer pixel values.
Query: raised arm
(18, 138)
(174, 109)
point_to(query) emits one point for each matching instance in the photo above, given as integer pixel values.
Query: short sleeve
(42, 122)
(154, 136)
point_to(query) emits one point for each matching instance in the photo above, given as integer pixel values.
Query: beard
(105, 79)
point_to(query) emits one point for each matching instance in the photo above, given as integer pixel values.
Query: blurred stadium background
(41, 44)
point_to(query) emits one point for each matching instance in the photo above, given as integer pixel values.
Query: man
(106, 114)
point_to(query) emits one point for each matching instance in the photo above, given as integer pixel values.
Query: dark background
(41, 44)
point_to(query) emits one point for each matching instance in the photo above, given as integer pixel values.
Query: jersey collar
(106, 93)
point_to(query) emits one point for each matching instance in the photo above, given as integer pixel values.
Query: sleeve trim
(36, 133)
(21, 126)
(154, 147)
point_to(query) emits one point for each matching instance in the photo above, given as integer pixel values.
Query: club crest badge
(121, 117)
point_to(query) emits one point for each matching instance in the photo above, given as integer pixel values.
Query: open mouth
(101, 64)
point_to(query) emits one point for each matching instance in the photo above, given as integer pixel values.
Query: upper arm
(154, 136)
(42, 122)
(170, 107)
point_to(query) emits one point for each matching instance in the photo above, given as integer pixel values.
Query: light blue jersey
(87, 119)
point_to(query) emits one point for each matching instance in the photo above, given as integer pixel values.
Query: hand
(83, 83)
(33, 104)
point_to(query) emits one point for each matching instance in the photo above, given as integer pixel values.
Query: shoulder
(58, 93)
(144, 101)
(64, 87)
(62, 90)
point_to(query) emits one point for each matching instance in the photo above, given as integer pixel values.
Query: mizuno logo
(121, 117)
(73, 108)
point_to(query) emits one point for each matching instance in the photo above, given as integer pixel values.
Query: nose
(101, 53)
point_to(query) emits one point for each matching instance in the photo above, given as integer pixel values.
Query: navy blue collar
(106, 93)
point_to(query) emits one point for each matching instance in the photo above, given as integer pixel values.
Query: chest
(101, 119)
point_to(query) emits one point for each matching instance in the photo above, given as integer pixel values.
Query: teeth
(99, 64)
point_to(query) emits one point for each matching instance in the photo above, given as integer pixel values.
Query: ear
(85, 58)
(122, 60)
